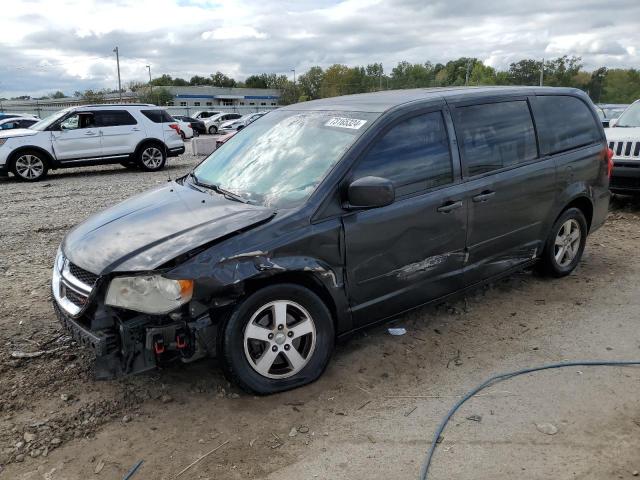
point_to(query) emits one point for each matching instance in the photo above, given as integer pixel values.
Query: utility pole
(118, 64)
(542, 72)
(295, 89)
(466, 78)
(150, 86)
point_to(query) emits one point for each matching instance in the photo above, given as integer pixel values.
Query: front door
(510, 188)
(412, 251)
(78, 138)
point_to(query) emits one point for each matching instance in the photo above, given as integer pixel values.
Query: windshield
(47, 121)
(281, 159)
(630, 117)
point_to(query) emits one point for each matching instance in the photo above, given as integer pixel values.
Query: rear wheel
(278, 338)
(152, 158)
(565, 244)
(213, 130)
(30, 166)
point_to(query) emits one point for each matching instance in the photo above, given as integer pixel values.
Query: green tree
(219, 79)
(91, 96)
(198, 80)
(57, 94)
(621, 86)
(158, 96)
(310, 83)
(256, 81)
(596, 84)
(525, 72)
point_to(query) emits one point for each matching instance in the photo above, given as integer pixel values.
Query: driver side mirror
(370, 192)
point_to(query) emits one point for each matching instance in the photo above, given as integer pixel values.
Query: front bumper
(625, 177)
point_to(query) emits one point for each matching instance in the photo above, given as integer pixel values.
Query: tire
(213, 130)
(298, 359)
(196, 133)
(152, 157)
(30, 166)
(565, 245)
(183, 136)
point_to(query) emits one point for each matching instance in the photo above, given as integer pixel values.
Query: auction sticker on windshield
(353, 123)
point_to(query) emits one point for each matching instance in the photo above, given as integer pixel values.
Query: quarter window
(565, 123)
(157, 116)
(414, 155)
(495, 135)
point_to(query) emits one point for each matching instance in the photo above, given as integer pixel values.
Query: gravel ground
(373, 412)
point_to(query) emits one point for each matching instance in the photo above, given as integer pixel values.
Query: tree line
(603, 85)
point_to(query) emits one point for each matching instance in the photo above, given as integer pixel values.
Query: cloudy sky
(67, 45)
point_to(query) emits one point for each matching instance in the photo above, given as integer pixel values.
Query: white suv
(213, 123)
(134, 135)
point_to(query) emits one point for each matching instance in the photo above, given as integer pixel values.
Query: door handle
(484, 196)
(90, 132)
(450, 206)
(135, 129)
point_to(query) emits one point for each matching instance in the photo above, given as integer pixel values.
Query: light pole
(542, 72)
(295, 93)
(116, 51)
(150, 86)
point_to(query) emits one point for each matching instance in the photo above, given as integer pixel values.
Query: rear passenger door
(510, 188)
(407, 253)
(119, 130)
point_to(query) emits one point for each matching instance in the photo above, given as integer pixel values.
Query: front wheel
(213, 130)
(280, 337)
(565, 244)
(152, 158)
(30, 166)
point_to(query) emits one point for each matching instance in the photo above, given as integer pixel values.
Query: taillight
(609, 162)
(176, 127)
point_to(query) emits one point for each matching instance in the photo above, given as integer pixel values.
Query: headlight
(59, 261)
(152, 294)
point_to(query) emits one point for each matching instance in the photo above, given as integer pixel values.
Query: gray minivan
(328, 216)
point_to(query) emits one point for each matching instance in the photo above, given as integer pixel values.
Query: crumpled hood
(156, 226)
(618, 134)
(17, 132)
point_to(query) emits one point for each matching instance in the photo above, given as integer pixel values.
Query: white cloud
(67, 44)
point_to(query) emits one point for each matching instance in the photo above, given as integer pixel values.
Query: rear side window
(157, 116)
(565, 122)
(113, 118)
(495, 135)
(414, 155)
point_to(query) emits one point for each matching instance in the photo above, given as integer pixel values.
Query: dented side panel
(288, 246)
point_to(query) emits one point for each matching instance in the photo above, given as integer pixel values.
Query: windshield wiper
(216, 188)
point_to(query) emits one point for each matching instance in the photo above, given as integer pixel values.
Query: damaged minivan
(328, 216)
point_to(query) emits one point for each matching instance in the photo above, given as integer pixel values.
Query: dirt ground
(371, 416)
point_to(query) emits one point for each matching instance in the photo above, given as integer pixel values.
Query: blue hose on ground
(424, 469)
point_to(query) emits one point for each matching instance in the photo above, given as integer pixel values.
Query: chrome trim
(61, 280)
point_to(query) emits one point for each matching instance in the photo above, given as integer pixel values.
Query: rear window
(565, 123)
(113, 118)
(157, 116)
(495, 135)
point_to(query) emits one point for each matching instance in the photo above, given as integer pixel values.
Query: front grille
(626, 149)
(77, 299)
(84, 276)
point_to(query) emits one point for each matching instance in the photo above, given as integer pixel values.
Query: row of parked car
(134, 135)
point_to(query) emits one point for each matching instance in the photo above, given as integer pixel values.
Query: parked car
(203, 114)
(186, 132)
(608, 112)
(213, 123)
(17, 122)
(135, 135)
(4, 116)
(197, 125)
(328, 216)
(240, 123)
(624, 141)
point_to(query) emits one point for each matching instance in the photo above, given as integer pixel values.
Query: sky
(68, 45)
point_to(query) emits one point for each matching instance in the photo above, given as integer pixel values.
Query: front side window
(77, 121)
(282, 158)
(565, 122)
(495, 135)
(414, 155)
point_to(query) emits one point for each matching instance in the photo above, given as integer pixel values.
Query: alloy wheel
(29, 166)
(279, 339)
(152, 157)
(567, 242)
